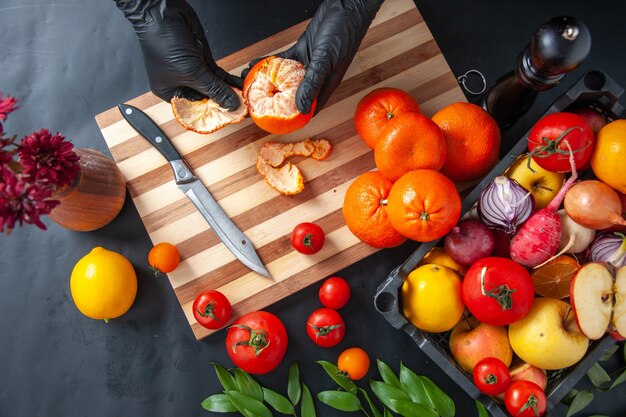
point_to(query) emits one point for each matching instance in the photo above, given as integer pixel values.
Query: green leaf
(569, 397)
(411, 409)
(375, 411)
(218, 403)
(340, 378)
(620, 380)
(294, 388)
(225, 378)
(609, 352)
(440, 400)
(248, 405)
(247, 385)
(387, 374)
(414, 386)
(277, 401)
(580, 401)
(598, 375)
(387, 413)
(307, 408)
(340, 400)
(386, 393)
(482, 411)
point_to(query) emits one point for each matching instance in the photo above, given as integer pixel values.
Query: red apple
(527, 372)
(617, 336)
(591, 295)
(472, 341)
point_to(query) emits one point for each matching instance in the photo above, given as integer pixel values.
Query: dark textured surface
(68, 61)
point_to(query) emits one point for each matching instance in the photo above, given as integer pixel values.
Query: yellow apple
(542, 184)
(471, 341)
(548, 337)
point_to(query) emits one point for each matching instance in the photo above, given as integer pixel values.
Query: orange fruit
(423, 205)
(472, 141)
(553, 279)
(609, 154)
(365, 211)
(270, 92)
(409, 141)
(377, 108)
(206, 116)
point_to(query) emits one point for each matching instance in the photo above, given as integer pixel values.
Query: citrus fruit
(439, 256)
(553, 279)
(431, 298)
(103, 284)
(377, 108)
(423, 205)
(365, 211)
(609, 154)
(206, 116)
(409, 141)
(270, 93)
(472, 140)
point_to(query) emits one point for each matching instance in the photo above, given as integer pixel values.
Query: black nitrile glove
(176, 53)
(327, 47)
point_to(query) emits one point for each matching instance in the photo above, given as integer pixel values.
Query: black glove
(327, 47)
(176, 53)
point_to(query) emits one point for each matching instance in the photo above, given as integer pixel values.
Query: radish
(538, 238)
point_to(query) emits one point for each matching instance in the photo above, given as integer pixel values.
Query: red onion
(505, 204)
(609, 247)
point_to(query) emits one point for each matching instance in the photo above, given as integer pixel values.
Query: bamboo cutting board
(398, 51)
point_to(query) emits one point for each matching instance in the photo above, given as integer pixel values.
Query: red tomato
(211, 309)
(491, 376)
(334, 293)
(163, 257)
(498, 291)
(525, 399)
(325, 327)
(354, 362)
(307, 238)
(257, 342)
(547, 141)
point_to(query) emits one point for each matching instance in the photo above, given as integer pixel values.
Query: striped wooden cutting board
(398, 51)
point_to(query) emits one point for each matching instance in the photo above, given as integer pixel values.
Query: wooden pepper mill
(557, 47)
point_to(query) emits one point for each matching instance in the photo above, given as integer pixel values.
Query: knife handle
(148, 129)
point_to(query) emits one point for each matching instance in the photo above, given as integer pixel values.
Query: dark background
(68, 61)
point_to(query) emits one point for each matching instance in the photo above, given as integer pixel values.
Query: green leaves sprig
(407, 394)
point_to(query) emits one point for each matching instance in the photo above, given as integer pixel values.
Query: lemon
(103, 284)
(439, 256)
(431, 298)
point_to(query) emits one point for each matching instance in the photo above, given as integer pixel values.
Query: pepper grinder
(558, 46)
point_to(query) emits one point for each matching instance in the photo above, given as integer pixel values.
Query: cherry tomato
(547, 141)
(354, 362)
(491, 376)
(163, 257)
(498, 291)
(325, 327)
(307, 238)
(334, 293)
(211, 309)
(525, 399)
(257, 342)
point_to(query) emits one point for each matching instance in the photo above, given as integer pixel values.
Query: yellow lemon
(103, 284)
(431, 298)
(439, 256)
(609, 154)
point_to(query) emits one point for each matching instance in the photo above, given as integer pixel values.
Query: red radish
(538, 238)
(469, 241)
(594, 204)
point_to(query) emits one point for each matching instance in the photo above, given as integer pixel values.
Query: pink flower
(21, 202)
(7, 105)
(48, 159)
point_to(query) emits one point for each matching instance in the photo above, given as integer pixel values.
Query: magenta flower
(21, 202)
(7, 105)
(48, 159)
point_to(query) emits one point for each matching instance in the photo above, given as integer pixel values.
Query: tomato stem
(502, 293)
(531, 402)
(551, 147)
(258, 340)
(324, 330)
(157, 271)
(491, 379)
(208, 311)
(307, 241)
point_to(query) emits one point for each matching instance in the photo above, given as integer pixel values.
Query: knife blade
(233, 238)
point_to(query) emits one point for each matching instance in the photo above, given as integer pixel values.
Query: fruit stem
(258, 340)
(208, 311)
(502, 294)
(531, 402)
(551, 147)
(307, 240)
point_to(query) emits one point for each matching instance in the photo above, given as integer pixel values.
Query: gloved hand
(176, 53)
(327, 47)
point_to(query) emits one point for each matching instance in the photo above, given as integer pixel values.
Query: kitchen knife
(234, 239)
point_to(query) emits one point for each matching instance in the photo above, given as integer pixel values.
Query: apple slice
(619, 309)
(591, 295)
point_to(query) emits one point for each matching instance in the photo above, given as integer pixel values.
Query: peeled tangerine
(206, 116)
(281, 175)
